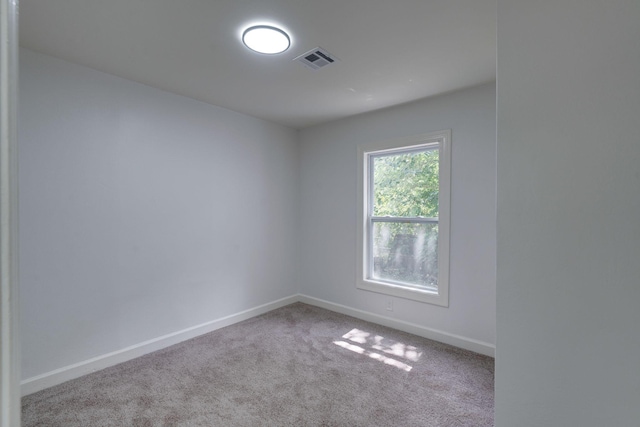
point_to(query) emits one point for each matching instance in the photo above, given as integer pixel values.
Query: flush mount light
(266, 39)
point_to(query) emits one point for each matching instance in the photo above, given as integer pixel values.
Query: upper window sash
(434, 145)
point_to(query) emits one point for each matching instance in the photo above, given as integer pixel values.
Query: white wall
(328, 161)
(568, 229)
(142, 213)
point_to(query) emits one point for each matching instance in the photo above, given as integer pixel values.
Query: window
(403, 220)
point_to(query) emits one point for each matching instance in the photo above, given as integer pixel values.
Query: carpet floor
(296, 366)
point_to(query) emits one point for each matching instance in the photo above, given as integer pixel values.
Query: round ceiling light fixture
(266, 39)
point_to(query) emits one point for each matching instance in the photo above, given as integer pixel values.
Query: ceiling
(389, 52)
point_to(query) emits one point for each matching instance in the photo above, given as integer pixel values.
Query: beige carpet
(295, 366)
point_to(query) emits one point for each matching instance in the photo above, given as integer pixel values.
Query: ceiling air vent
(316, 58)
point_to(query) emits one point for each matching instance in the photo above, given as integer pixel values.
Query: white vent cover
(316, 58)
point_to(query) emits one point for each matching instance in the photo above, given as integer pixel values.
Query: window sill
(415, 294)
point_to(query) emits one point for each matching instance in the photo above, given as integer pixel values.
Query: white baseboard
(58, 376)
(433, 334)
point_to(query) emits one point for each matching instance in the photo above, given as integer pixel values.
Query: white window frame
(364, 281)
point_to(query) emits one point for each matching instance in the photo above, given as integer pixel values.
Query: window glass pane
(406, 184)
(406, 253)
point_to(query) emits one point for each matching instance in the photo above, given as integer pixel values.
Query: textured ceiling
(390, 52)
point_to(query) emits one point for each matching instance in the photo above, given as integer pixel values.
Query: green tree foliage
(406, 184)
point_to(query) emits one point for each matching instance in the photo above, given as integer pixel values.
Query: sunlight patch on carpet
(369, 342)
